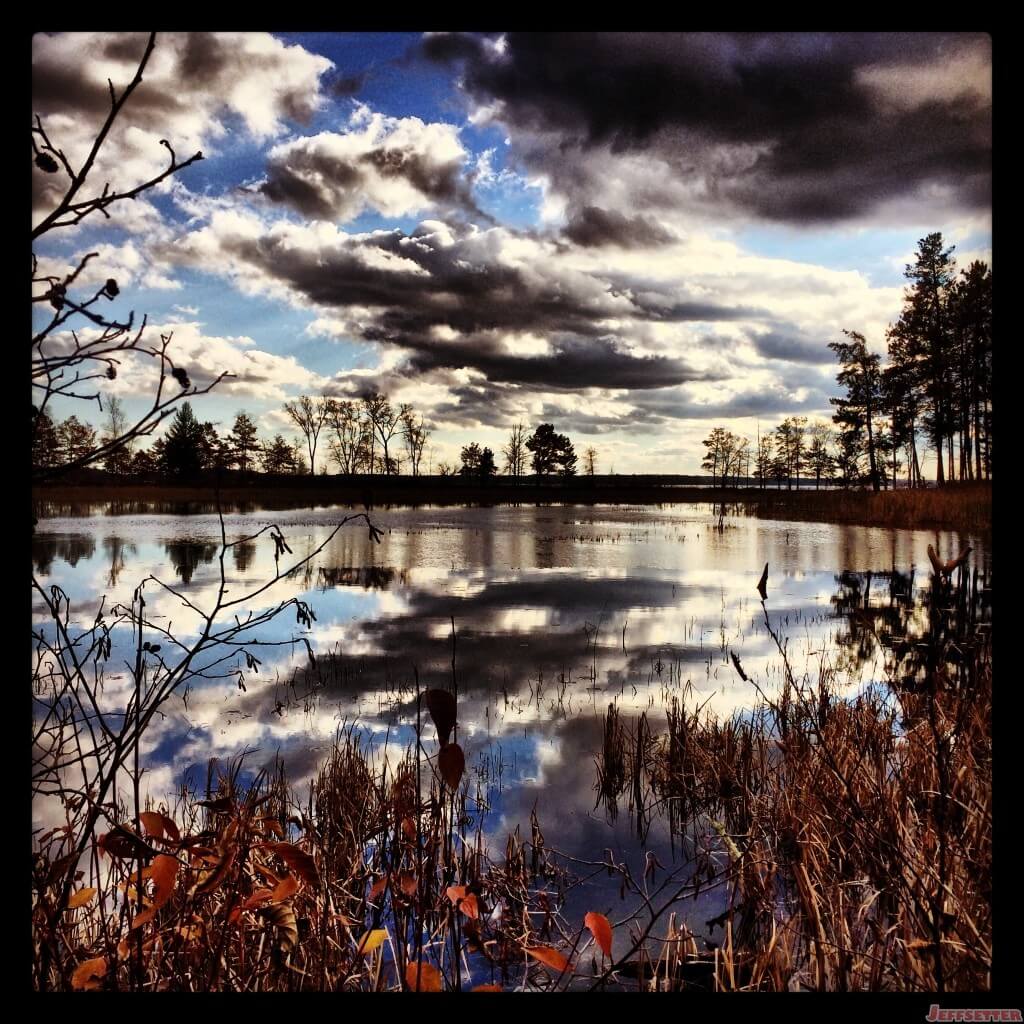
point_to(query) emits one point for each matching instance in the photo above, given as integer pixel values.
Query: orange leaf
(377, 888)
(407, 882)
(298, 860)
(159, 825)
(259, 896)
(469, 907)
(80, 898)
(487, 988)
(371, 940)
(452, 762)
(409, 828)
(288, 886)
(88, 974)
(549, 957)
(423, 978)
(164, 871)
(601, 930)
(152, 824)
(456, 893)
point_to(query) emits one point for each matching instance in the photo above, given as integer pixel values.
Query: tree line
(364, 436)
(935, 391)
(936, 388)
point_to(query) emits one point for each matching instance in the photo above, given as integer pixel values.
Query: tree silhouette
(862, 378)
(182, 449)
(552, 453)
(243, 442)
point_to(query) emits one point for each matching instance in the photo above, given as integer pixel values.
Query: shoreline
(954, 506)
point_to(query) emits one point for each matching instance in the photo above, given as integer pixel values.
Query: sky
(634, 237)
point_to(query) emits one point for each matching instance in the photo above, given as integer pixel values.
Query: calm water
(558, 612)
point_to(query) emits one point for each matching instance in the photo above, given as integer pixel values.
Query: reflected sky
(558, 612)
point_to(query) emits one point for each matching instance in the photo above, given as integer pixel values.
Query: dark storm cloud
(829, 146)
(318, 178)
(466, 287)
(573, 363)
(593, 226)
(793, 345)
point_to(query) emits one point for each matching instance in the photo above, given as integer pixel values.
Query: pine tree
(183, 448)
(243, 442)
(861, 376)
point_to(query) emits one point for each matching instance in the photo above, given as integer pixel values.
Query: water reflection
(188, 555)
(558, 612)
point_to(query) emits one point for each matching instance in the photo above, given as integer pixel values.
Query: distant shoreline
(954, 506)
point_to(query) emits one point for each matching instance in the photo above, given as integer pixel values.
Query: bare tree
(114, 426)
(589, 459)
(69, 359)
(384, 422)
(515, 451)
(309, 415)
(416, 434)
(347, 443)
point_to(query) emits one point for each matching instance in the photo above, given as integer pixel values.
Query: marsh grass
(855, 833)
(363, 886)
(965, 506)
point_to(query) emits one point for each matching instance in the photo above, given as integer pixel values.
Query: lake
(541, 616)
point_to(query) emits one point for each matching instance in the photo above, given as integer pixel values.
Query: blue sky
(636, 238)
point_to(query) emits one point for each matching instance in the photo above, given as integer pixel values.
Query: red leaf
(407, 882)
(549, 957)
(377, 888)
(487, 988)
(452, 762)
(601, 930)
(426, 979)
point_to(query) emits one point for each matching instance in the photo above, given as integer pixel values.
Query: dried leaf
(549, 957)
(456, 893)
(423, 978)
(409, 828)
(298, 860)
(258, 897)
(282, 915)
(152, 824)
(377, 888)
(214, 878)
(88, 974)
(470, 907)
(123, 842)
(441, 705)
(164, 870)
(270, 825)
(80, 898)
(221, 804)
(601, 929)
(371, 940)
(452, 762)
(287, 887)
(407, 883)
(486, 988)
(158, 826)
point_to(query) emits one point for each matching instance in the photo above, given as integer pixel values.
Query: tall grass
(856, 834)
